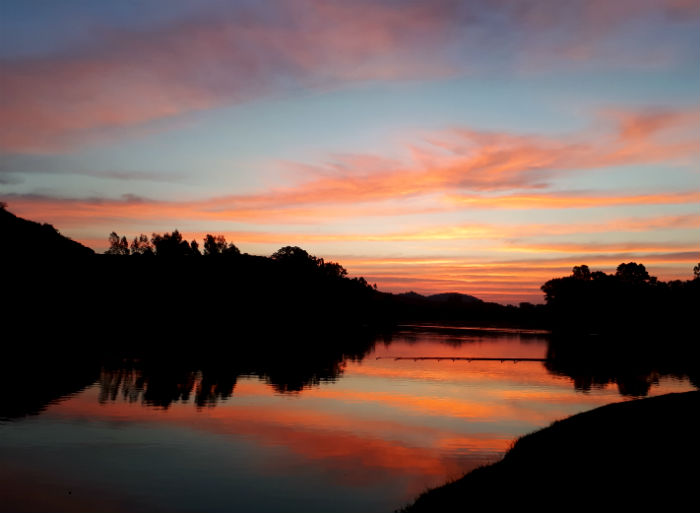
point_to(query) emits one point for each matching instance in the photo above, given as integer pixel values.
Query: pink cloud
(131, 78)
(607, 34)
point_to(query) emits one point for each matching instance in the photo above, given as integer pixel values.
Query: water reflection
(635, 365)
(159, 378)
(325, 423)
(31, 381)
(161, 386)
(161, 374)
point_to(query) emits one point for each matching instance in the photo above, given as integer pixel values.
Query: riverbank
(635, 453)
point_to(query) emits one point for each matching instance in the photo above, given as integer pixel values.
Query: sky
(480, 147)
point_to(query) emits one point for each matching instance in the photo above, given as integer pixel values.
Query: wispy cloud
(8, 174)
(620, 248)
(509, 238)
(467, 159)
(508, 280)
(457, 168)
(571, 199)
(133, 77)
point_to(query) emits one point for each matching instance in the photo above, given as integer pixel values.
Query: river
(366, 431)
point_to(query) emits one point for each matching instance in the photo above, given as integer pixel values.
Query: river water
(365, 432)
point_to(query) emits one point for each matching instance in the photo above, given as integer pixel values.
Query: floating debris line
(466, 358)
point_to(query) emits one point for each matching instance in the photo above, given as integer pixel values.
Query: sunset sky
(480, 147)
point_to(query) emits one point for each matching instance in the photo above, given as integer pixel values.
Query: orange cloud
(457, 169)
(509, 280)
(593, 248)
(465, 159)
(461, 167)
(556, 199)
(109, 212)
(476, 232)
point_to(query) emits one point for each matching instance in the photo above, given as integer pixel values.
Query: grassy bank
(638, 453)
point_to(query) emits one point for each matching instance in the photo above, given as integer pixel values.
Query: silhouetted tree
(296, 259)
(361, 281)
(628, 301)
(216, 245)
(171, 245)
(696, 272)
(292, 254)
(333, 269)
(633, 273)
(117, 245)
(581, 272)
(141, 245)
(551, 289)
(599, 276)
(231, 250)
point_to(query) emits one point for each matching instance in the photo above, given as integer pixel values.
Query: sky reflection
(371, 440)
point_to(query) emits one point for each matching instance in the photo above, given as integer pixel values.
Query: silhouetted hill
(454, 297)
(454, 307)
(411, 295)
(445, 297)
(641, 453)
(168, 292)
(22, 238)
(166, 276)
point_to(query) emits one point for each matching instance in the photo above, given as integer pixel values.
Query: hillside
(637, 453)
(24, 238)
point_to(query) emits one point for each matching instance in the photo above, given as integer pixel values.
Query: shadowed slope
(636, 453)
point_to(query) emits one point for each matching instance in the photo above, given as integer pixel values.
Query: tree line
(71, 289)
(629, 300)
(170, 245)
(174, 245)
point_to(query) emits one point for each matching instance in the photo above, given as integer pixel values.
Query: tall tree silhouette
(117, 245)
(171, 245)
(141, 245)
(216, 245)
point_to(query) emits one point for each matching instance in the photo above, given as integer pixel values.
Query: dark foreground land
(641, 453)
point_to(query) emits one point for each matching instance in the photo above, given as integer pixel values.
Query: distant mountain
(22, 238)
(454, 298)
(454, 307)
